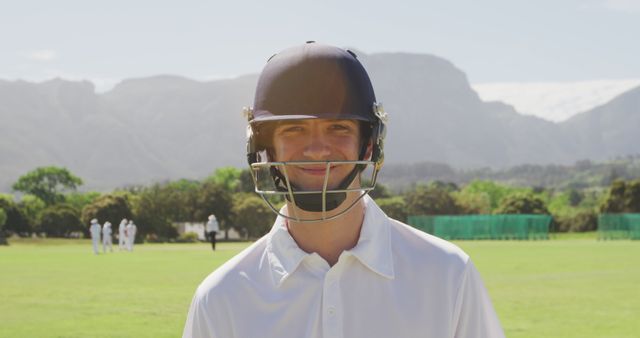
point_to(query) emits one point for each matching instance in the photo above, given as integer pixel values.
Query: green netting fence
(619, 226)
(521, 227)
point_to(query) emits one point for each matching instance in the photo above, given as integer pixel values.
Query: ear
(369, 151)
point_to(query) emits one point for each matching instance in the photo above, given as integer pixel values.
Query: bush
(187, 237)
(522, 203)
(622, 197)
(60, 220)
(252, 215)
(430, 200)
(472, 203)
(32, 207)
(3, 219)
(582, 221)
(17, 222)
(110, 208)
(394, 207)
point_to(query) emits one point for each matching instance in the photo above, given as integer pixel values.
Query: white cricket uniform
(95, 236)
(122, 237)
(396, 282)
(106, 237)
(131, 235)
(212, 225)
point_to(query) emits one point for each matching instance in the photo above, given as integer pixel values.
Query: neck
(329, 238)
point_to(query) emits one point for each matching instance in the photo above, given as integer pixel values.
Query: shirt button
(331, 310)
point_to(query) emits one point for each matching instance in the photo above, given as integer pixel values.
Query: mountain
(168, 127)
(143, 130)
(609, 130)
(436, 116)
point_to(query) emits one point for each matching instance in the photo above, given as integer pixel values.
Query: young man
(333, 265)
(94, 230)
(122, 234)
(131, 235)
(106, 237)
(212, 229)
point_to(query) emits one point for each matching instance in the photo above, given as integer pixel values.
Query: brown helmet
(314, 81)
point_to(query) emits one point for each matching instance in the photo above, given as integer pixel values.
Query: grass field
(566, 287)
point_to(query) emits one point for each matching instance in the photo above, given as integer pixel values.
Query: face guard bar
(262, 173)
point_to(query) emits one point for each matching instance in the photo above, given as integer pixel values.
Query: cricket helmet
(313, 81)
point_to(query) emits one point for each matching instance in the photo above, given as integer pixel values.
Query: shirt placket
(332, 305)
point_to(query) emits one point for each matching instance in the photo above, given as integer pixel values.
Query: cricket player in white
(131, 235)
(333, 265)
(212, 229)
(94, 229)
(106, 237)
(122, 234)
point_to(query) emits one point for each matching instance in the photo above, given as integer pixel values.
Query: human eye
(290, 128)
(341, 127)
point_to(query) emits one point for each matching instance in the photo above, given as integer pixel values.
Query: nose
(317, 147)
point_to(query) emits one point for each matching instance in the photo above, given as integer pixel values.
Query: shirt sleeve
(199, 320)
(475, 316)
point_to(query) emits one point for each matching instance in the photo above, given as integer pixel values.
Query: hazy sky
(492, 41)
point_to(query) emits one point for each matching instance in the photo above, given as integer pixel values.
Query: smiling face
(317, 140)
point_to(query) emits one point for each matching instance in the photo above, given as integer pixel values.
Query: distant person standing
(131, 235)
(94, 229)
(106, 237)
(122, 234)
(212, 230)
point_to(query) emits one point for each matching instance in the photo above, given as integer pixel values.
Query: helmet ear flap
(252, 154)
(379, 133)
(378, 143)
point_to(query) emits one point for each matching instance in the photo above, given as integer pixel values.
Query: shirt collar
(373, 249)
(374, 245)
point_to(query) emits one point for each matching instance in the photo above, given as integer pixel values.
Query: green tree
(60, 220)
(227, 177)
(251, 216)
(152, 214)
(632, 197)
(379, 191)
(183, 195)
(446, 186)
(17, 222)
(583, 220)
(472, 202)
(79, 200)
(3, 220)
(47, 183)
(246, 181)
(105, 208)
(430, 200)
(31, 207)
(614, 201)
(522, 203)
(395, 207)
(575, 197)
(215, 199)
(560, 204)
(495, 191)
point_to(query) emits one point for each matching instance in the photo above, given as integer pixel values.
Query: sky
(492, 41)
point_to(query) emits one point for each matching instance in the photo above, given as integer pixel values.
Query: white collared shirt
(396, 282)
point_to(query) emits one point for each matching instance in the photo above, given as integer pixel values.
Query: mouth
(316, 170)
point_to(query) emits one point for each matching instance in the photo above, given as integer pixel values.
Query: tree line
(50, 204)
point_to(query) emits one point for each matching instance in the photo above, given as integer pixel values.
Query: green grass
(575, 287)
(562, 288)
(58, 288)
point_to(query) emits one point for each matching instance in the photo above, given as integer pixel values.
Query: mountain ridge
(167, 127)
